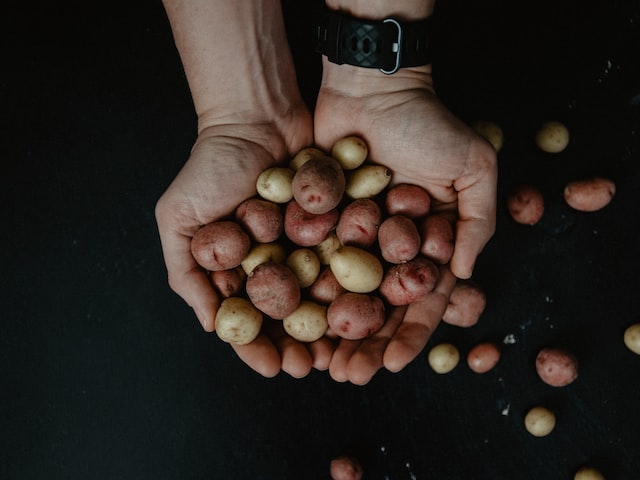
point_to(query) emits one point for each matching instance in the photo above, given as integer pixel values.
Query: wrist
(403, 10)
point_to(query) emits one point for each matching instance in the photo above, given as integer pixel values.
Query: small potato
(355, 316)
(556, 367)
(552, 137)
(308, 322)
(359, 222)
(443, 358)
(346, 467)
(356, 269)
(466, 304)
(238, 321)
(367, 181)
(409, 282)
(483, 357)
(491, 132)
(263, 253)
(220, 245)
(308, 229)
(588, 473)
(350, 152)
(274, 184)
(525, 204)
(262, 219)
(399, 239)
(318, 185)
(326, 288)
(305, 264)
(589, 195)
(540, 421)
(409, 200)
(228, 283)
(632, 338)
(303, 156)
(325, 248)
(273, 289)
(437, 238)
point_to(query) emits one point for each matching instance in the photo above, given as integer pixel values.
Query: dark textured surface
(106, 374)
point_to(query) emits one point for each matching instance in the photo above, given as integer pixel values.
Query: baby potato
(359, 222)
(307, 323)
(552, 137)
(491, 132)
(326, 288)
(318, 185)
(483, 357)
(437, 238)
(556, 367)
(262, 219)
(308, 229)
(409, 200)
(409, 282)
(303, 156)
(273, 289)
(325, 248)
(305, 264)
(356, 269)
(589, 195)
(540, 421)
(350, 152)
(346, 467)
(220, 245)
(632, 338)
(238, 321)
(274, 184)
(263, 253)
(525, 204)
(228, 283)
(443, 358)
(398, 239)
(355, 316)
(466, 304)
(588, 473)
(367, 181)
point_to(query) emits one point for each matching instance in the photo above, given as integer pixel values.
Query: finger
(261, 355)
(321, 352)
(296, 359)
(420, 320)
(340, 359)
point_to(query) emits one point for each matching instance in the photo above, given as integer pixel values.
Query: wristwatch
(387, 45)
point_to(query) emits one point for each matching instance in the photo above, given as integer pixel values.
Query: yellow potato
(443, 358)
(350, 152)
(491, 132)
(238, 321)
(303, 156)
(307, 323)
(305, 264)
(325, 249)
(540, 421)
(632, 338)
(356, 270)
(367, 181)
(552, 137)
(274, 184)
(588, 473)
(263, 253)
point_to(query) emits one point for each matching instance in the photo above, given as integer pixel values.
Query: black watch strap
(386, 44)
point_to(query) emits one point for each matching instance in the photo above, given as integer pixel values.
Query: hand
(410, 131)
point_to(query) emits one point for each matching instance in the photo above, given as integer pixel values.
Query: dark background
(106, 374)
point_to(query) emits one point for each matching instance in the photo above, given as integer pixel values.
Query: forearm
(405, 10)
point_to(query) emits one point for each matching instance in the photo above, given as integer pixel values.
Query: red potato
(220, 245)
(359, 222)
(556, 367)
(483, 357)
(318, 185)
(228, 283)
(308, 229)
(525, 204)
(262, 220)
(273, 289)
(409, 200)
(437, 238)
(326, 288)
(355, 316)
(398, 239)
(409, 282)
(466, 304)
(346, 467)
(589, 195)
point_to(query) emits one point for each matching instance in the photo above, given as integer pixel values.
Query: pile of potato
(326, 246)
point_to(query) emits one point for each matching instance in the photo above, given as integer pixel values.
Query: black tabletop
(106, 373)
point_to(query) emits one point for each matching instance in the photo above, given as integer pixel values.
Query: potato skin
(305, 264)
(261, 219)
(274, 184)
(228, 283)
(318, 185)
(525, 204)
(350, 152)
(308, 322)
(359, 222)
(466, 304)
(552, 137)
(308, 229)
(220, 245)
(409, 200)
(556, 367)
(399, 239)
(356, 269)
(437, 238)
(345, 467)
(326, 288)
(589, 195)
(238, 321)
(483, 357)
(355, 316)
(273, 289)
(409, 282)
(367, 181)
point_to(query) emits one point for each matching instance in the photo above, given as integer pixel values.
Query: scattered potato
(326, 288)
(552, 137)
(540, 421)
(262, 219)
(443, 358)
(466, 304)
(409, 282)
(308, 322)
(318, 185)
(367, 181)
(274, 184)
(398, 239)
(483, 357)
(263, 253)
(437, 237)
(273, 289)
(359, 222)
(356, 269)
(305, 264)
(525, 204)
(355, 316)
(409, 200)
(350, 152)
(632, 338)
(491, 132)
(556, 367)
(589, 195)
(303, 156)
(228, 283)
(346, 467)
(238, 321)
(588, 473)
(308, 229)
(220, 245)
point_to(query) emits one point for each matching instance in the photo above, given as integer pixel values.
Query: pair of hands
(407, 129)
